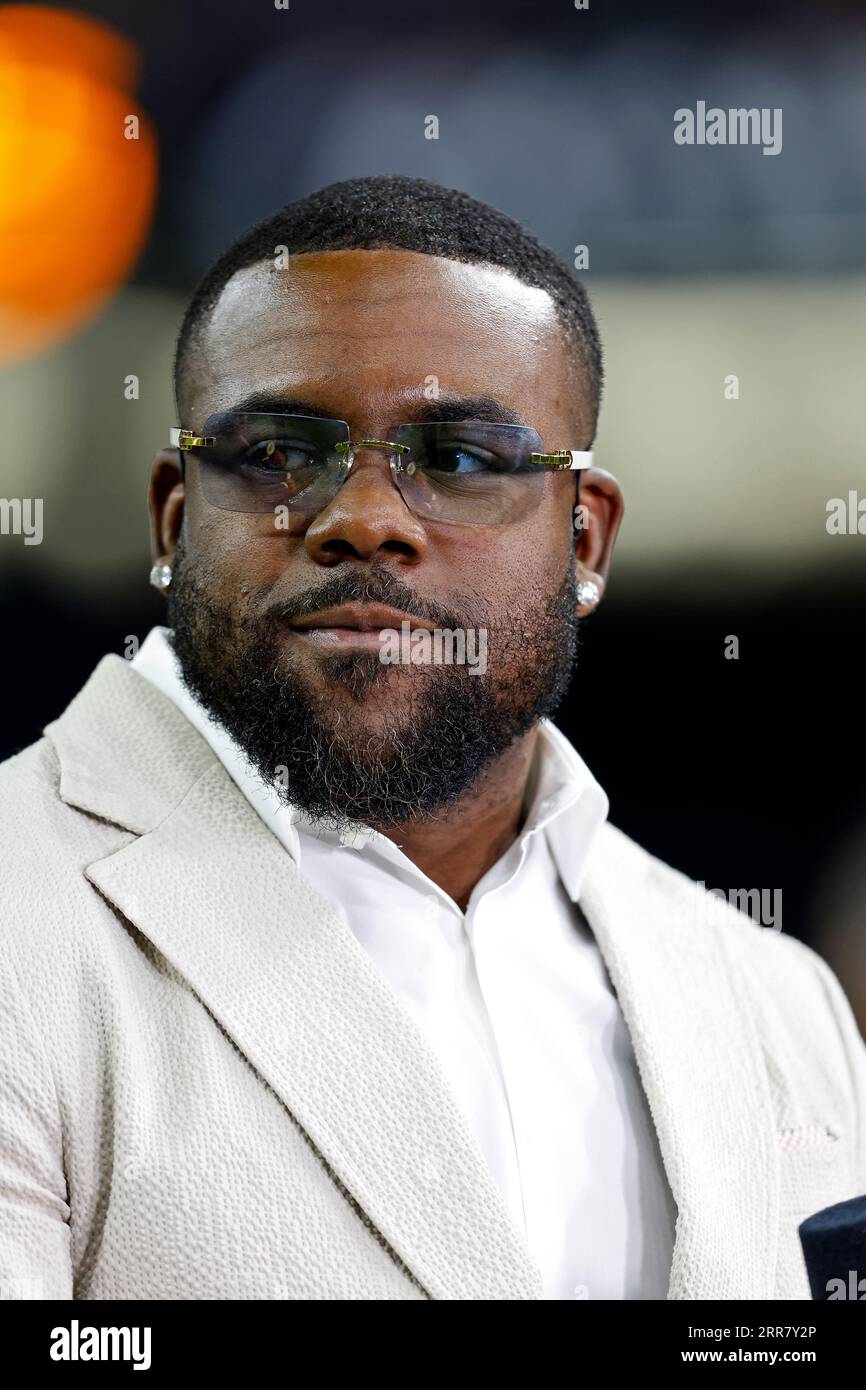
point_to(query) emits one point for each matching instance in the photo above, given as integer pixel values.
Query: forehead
(363, 333)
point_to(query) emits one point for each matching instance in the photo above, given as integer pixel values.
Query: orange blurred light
(76, 194)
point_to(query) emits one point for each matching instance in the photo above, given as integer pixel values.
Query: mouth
(360, 626)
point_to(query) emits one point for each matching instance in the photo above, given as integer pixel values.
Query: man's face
(376, 338)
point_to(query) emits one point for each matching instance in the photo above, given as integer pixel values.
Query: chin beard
(437, 728)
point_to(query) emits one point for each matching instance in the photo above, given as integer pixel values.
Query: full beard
(438, 727)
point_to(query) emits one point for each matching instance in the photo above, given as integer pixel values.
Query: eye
(279, 456)
(463, 458)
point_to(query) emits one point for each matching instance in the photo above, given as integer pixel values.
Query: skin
(358, 333)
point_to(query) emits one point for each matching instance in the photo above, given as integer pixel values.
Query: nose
(367, 517)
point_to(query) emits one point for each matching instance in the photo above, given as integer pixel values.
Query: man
(325, 976)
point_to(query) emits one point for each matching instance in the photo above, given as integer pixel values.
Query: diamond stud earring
(587, 593)
(160, 577)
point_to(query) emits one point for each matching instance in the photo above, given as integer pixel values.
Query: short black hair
(396, 212)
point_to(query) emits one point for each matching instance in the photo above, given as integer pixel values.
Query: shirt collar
(566, 802)
(563, 799)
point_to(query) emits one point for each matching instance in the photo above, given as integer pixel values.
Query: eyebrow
(445, 407)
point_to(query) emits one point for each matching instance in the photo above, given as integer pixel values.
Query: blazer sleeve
(35, 1246)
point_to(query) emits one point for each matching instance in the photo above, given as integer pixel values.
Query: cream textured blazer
(207, 1091)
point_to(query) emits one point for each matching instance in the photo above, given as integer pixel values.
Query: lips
(354, 625)
(358, 617)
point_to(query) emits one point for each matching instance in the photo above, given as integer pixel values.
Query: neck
(456, 849)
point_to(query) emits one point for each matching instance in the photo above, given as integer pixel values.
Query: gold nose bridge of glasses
(351, 447)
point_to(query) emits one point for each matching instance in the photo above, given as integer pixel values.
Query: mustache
(377, 586)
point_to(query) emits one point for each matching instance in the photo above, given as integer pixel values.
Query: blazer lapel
(702, 1069)
(214, 890)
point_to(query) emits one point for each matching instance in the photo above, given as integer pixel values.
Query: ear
(165, 500)
(602, 506)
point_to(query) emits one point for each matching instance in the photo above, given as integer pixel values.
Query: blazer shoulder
(36, 824)
(734, 917)
(27, 778)
(45, 845)
(797, 1005)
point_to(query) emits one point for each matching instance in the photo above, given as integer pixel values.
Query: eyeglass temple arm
(565, 458)
(185, 439)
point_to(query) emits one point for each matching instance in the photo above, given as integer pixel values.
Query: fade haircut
(398, 213)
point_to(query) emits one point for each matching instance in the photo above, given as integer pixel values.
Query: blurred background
(137, 141)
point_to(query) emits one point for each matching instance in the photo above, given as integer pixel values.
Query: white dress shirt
(515, 1000)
